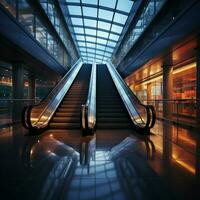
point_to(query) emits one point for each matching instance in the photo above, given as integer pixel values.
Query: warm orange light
(186, 67)
(152, 80)
(188, 167)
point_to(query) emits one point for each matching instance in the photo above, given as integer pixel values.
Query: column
(167, 91)
(198, 82)
(18, 90)
(32, 87)
(149, 93)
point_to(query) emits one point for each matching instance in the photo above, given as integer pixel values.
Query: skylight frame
(91, 42)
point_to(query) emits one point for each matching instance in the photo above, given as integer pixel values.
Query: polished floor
(114, 164)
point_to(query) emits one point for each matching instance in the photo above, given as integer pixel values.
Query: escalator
(111, 112)
(90, 97)
(117, 106)
(67, 116)
(61, 109)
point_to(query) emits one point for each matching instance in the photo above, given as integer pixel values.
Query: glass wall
(184, 90)
(5, 92)
(8, 103)
(147, 84)
(147, 15)
(43, 88)
(25, 14)
(53, 15)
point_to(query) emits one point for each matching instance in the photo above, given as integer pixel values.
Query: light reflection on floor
(116, 164)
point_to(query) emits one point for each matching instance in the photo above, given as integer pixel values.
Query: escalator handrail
(125, 97)
(129, 97)
(89, 109)
(56, 94)
(153, 116)
(55, 89)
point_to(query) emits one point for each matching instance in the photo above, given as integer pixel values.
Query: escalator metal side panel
(137, 119)
(53, 104)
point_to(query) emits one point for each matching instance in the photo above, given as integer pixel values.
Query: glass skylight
(97, 25)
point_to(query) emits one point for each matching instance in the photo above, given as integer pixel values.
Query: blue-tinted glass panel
(90, 45)
(99, 57)
(77, 21)
(101, 41)
(94, 2)
(90, 31)
(90, 50)
(89, 22)
(102, 34)
(91, 55)
(98, 60)
(124, 5)
(109, 49)
(107, 3)
(119, 18)
(99, 52)
(90, 12)
(90, 39)
(117, 29)
(108, 54)
(104, 25)
(74, 10)
(80, 37)
(82, 49)
(83, 53)
(105, 14)
(81, 43)
(100, 47)
(73, 1)
(78, 30)
(112, 44)
(114, 37)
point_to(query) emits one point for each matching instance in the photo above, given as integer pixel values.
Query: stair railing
(37, 117)
(88, 115)
(142, 116)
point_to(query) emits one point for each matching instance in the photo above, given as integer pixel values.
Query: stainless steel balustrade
(41, 114)
(89, 109)
(141, 115)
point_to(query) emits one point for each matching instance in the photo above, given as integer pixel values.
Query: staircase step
(113, 119)
(54, 125)
(66, 119)
(114, 125)
(124, 114)
(63, 114)
(110, 110)
(68, 110)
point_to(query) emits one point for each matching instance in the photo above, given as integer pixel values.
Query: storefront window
(10, 5)
(5, 92)
(184, 80)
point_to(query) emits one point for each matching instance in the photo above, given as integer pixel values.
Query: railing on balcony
(181, 111)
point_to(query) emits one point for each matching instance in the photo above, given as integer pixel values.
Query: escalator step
(64, 125)
(66, 119)
(114, 125)
(63, 114)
